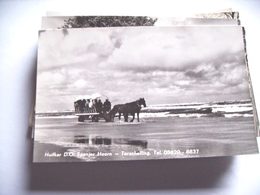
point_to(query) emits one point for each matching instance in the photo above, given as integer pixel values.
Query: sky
(165, 65)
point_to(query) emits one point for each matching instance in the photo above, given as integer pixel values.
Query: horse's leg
(112, 119)
(137, 116)
(133, 114)
(126, 117)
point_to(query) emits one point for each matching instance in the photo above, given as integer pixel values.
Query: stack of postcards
(113, 88)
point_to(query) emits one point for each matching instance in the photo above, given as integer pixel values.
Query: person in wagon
(107, 106)
(99, 106)
(76, 106)
(87, 105)
(83, 105)
(93, 107)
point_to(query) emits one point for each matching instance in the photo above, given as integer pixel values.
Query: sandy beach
(66, 140)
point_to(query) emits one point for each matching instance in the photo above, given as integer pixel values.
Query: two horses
(129, 108)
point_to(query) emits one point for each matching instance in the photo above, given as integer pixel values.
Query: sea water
(168, 132)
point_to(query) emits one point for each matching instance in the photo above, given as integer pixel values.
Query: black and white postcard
(227, 17)
(137, 93)
(54, 22)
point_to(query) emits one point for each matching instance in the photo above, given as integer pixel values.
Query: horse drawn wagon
(94, 109)
(91, 109)
(94, 116)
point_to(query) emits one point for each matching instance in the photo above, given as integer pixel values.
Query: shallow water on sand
(151, 138)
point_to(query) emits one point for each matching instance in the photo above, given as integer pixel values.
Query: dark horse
(130, 108)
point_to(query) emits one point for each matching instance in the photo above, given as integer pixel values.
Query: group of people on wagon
(92, 106)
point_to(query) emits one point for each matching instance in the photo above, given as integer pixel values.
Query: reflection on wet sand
(176, 138)
(99, 140)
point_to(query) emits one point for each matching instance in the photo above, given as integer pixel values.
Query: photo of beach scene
(137, 93)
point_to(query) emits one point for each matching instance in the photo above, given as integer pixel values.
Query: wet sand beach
(151, 138)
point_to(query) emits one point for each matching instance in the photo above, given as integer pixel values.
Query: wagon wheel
(95, 118)
(81, 119)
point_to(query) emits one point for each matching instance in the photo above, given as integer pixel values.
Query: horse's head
(141, 101)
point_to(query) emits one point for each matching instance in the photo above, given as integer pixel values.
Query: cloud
(163, 64)
(164, 49)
